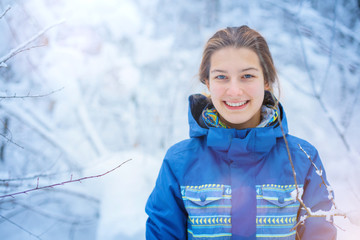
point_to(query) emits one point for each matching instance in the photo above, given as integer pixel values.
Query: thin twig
(20, 227)
(350, 110)
(289, 155)
(3, 64)
(32, 120)
(29, 177)
(309, 213)
(317, 93)
(4, 13)
(356, 195)
(11, 141)
(18, 49)
(324, 81)
(63, 183)
(51, 215)
(32, 96)
(319, 172)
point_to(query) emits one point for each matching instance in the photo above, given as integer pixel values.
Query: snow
(295, 193)
(319, 172)
(354, 217)
(125, 70)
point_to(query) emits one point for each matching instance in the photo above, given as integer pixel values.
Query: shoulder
(182, 147)
(304, 157)
(299, 145)
(183, 152)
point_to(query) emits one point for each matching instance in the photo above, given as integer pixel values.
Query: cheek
(216, 91)
(256, 90)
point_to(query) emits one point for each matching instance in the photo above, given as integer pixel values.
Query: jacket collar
(249, 145)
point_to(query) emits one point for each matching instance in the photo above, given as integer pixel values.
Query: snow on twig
(320, 213)
(23, 45)
(299, 191)
(63, 183)
(319, 172)
(353, 216)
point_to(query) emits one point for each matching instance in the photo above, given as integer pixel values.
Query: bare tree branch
(28, 178)
(51, 215)
(334, 25)
(22, 97)
(333, 212)
(62, 183)
(32, 96)
(4, 13)
(289, 156)
(20, 227)
(3, 64)
(10, 140)
(42, 127)
(350, 110)
(309, 213)
(317, 93)
(90, 130)
(319, 172)
(22, 46)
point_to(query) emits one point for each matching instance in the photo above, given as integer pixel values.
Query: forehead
(234, 57)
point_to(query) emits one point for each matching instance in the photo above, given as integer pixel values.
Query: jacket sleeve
(316, 197)
(165, 208)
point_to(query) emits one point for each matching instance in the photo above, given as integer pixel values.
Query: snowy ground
(125, 69)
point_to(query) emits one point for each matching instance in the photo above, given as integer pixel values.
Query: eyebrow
(242, 70)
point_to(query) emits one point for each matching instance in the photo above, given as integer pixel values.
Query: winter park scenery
(92, 93)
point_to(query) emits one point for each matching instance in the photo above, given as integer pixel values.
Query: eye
(220, 77)
(248, 76)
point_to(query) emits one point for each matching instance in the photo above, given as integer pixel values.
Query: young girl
(233, 178)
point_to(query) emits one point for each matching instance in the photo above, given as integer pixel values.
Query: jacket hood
(252, 141)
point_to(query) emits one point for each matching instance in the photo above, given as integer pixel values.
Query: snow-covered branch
(319, 172)
(62, 183)
(23, 45)
(353, 216)
(297, 193)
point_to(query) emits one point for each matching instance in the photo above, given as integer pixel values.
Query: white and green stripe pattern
(209, 211)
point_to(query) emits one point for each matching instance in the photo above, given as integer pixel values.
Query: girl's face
(236, 84)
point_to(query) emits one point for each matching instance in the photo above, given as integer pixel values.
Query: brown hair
(239, 37)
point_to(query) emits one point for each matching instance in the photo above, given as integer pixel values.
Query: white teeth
(236, 104)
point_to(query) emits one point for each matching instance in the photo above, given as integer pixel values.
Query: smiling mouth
(236, 104)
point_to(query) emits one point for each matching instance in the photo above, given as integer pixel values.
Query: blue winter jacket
(236, 184)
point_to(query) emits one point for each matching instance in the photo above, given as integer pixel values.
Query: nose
(235, 88)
